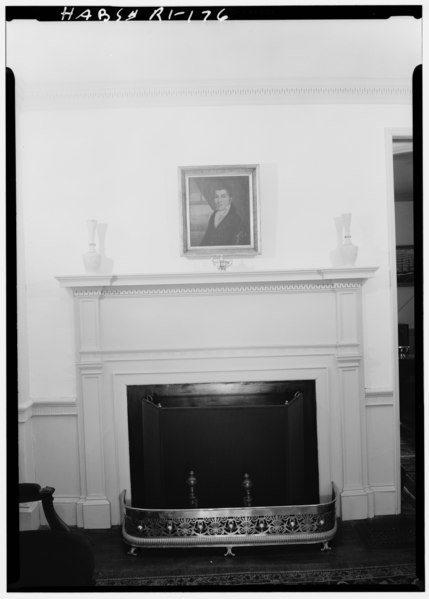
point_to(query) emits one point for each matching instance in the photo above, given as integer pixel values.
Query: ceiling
(55, 52)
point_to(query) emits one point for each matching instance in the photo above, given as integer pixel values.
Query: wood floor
(380, 541)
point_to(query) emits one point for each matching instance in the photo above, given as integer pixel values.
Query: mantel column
(354, 496)
(94, 507)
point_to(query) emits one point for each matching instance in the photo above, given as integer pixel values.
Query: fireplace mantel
(273, 281)
(226, 327)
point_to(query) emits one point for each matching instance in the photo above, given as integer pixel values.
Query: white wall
(119, 166)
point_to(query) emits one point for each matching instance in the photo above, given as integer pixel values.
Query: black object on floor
(51, 559)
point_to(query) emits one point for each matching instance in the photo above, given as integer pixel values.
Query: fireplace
(222, 432)
(281, 327)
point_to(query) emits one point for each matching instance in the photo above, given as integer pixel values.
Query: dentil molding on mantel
(230, 282)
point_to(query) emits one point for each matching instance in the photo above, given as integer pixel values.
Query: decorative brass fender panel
(229, 527)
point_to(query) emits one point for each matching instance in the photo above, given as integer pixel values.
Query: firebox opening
(223, 431)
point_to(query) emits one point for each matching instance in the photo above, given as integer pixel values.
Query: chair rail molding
(382, 396)
(58, 406)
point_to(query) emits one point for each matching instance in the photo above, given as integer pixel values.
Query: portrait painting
(220, 210)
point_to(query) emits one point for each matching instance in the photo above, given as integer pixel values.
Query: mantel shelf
(217, 282)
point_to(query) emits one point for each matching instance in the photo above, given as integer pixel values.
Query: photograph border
(184, 172)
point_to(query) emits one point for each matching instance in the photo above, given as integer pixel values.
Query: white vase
(345, 254)
(347, 220)
(91, 258)
(349, 251)
(339, 226)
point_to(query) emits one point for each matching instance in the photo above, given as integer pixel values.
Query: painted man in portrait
(225, 226)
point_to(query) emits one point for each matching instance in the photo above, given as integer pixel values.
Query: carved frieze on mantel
(225, 283)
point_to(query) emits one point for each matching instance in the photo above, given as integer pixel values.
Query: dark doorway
(405, 276)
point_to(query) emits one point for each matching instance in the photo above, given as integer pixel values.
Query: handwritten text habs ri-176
(160, 14)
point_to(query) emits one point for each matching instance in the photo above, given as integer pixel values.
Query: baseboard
(96, 513)
(82, 513)
(354, 505)
(385, 501)
(375, 501)
(29, 516)
(65, 508)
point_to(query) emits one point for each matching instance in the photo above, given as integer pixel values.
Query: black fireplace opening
(222, 432)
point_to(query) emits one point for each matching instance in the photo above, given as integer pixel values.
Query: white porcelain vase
(349, 251)
(92, 258)
(345, 253)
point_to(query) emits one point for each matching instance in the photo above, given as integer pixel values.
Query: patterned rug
(400, 575)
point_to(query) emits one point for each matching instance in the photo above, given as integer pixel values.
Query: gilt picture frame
(219, 210)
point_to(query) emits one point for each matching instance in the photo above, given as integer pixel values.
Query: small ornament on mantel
(345, 254)
(221, 263)
(92, 258)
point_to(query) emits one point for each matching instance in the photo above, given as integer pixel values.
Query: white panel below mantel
(152, 323)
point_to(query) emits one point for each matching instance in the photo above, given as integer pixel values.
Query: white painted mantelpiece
(170, 283)
(225, 326)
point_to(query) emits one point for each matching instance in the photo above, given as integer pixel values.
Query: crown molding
(212, 93)
(225, 283)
